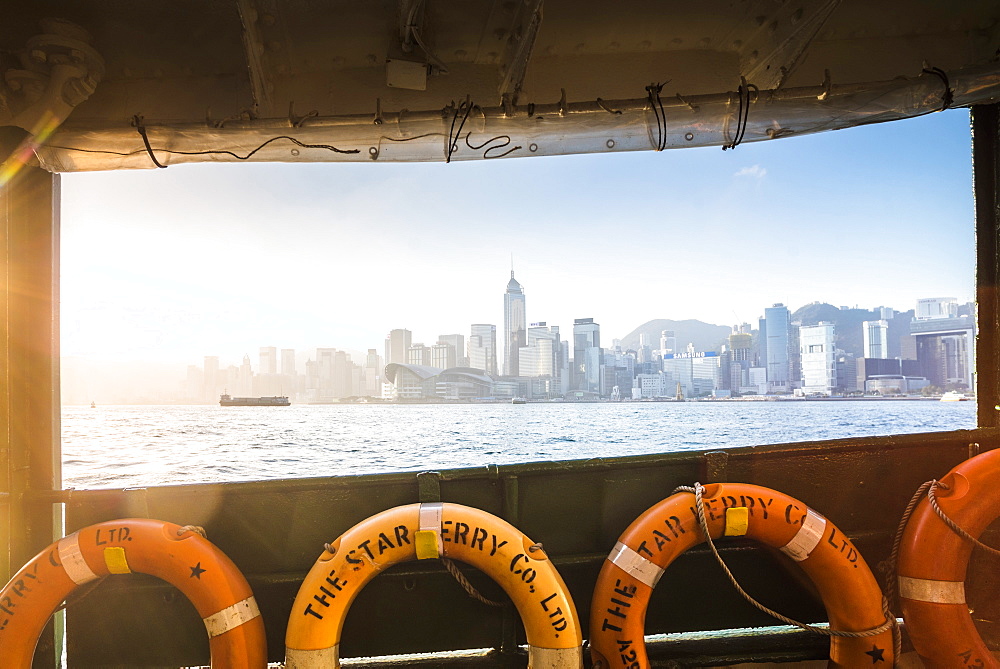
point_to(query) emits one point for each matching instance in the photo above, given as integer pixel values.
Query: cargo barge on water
(273, 401)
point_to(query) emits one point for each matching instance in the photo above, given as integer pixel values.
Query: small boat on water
(518, 400)
(275, 401)
(955, 396)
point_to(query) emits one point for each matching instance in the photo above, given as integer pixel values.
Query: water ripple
(127, 446)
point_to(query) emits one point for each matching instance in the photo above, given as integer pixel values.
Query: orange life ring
(423, 531)
(176, 554)
(852, 598)
(933, 560)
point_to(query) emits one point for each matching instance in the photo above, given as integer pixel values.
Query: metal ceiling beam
(253, 50)
(773, 54)
(517, 52)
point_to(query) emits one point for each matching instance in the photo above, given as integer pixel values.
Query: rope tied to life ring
(926, 488)
(890, 620)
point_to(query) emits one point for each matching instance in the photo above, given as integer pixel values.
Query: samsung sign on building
(709, 354)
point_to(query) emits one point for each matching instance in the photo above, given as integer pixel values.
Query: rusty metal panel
(274, 530)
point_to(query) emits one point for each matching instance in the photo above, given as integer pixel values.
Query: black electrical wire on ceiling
(208, 152)
(453, 136)
(653, 94)
(948, 96)
(742, 114)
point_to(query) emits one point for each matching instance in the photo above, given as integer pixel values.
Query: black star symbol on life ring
(876, 654)
(197, 571)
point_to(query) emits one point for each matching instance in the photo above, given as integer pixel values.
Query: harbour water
(127, 446)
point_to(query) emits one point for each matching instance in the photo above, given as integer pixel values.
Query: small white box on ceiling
(406, 74)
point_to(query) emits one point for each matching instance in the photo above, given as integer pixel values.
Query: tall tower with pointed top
(514, 326)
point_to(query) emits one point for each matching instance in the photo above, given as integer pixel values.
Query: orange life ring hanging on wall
(424, 531)
(176, 554)
(933, 560)
(850, 593)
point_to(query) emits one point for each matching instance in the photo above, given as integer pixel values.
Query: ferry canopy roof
(116, 84)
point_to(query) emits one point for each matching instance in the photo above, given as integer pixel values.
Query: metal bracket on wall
(136, 503)
(429, 487)
(714, 466)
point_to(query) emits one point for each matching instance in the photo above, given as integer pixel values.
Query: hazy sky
(171, 265)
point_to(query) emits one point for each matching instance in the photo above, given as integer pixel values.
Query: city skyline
(929, 347)
(303, 353)
(576, 363)
(309, 255)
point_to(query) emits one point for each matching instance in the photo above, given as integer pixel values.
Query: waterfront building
(425, 382)
(876, 338)
(289, 381)
(443, 356)
(372, 377)
(697, 373)
(819, 364)
(245, 383)
(482, 350)
(267, 381)
(268, 360)
(648, 386)
(847, 373)
(776, 342)
(514, 326)
(895, 384)
(936, 307)
(945, 343)
(418, 354)
(457, 342)
(463, 384)
(541, 360)
(757, 382)
(645, 351)
(587, 356)
(739, 359)
(397, 343)
(668, 342)
(331, 376)
(288, 362)
(412, 382)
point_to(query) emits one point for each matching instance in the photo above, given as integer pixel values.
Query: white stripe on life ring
(635, 565)
(321, 658)
(555, 658)
(231, 617)
(807, 538)
(937, 592)
(430, 521)
(72, 560)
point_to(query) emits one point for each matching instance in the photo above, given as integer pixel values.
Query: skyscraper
(457, 342)
(397, 343)
(542, 354)
(587, 355)
(668, 342)
(514, 325)
(483, 348)
(778, 335)
(288, 362)
(268, 360)
(876, 339)
(819, 362)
